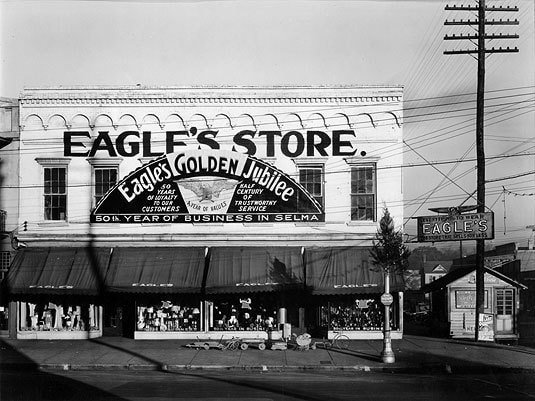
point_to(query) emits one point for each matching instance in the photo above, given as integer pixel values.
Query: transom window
(363, 193)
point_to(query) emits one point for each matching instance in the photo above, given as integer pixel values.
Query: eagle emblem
(453, 211)
(207, 189)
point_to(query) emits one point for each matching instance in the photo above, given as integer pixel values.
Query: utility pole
(479, 39)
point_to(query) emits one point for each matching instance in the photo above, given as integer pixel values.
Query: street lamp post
(390, 255)
(387, 354)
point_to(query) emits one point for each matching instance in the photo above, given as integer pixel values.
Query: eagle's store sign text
(134, 143)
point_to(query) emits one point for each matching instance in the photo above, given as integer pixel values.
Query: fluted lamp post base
(387, 355)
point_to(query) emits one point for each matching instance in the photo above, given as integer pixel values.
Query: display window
(168, 316)
(58, 316)
(253, 312)
(354, 313)
(4, 314)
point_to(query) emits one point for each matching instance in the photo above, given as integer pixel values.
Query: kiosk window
(504, 301)
(466, 299)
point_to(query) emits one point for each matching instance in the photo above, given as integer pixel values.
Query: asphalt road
(261, 386)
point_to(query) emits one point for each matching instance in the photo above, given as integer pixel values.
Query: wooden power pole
(480, 39)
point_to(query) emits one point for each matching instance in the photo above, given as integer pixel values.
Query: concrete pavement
(413, 354)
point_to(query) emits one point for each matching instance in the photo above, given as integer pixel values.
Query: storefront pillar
(302, 314)
(13, 319)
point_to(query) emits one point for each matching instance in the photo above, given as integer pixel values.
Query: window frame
(312, 163)
(505, 301)
(3, 220)
(4, 267)
(102, 164)
(315, 166)
(352, 195)
(97, 197)
(54, 163)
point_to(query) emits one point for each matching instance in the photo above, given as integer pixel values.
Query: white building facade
(170, 212)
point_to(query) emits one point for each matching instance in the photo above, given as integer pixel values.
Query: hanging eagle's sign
(206, 186)
(466, 226)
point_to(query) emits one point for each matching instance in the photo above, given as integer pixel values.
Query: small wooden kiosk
(453, 299)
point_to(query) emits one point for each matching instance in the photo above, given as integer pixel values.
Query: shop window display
(52, 316)
(356, 314)
(4, 314)
(168, 316)
(243, 313)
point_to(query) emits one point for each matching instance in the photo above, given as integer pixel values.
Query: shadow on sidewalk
(20, 379)
(157, 364)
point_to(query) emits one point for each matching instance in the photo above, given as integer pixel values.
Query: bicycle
(340, 341)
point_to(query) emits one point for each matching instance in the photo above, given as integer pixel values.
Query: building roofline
(341, 91)
(461, 272)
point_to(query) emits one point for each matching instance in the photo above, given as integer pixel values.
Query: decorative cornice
(211, 95)
(84, 101)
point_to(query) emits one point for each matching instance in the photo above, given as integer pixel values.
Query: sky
(311, 42)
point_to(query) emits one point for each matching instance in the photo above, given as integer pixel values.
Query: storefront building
(9, 175)
(201, 212)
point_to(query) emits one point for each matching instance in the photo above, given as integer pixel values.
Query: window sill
(362, 223)
(310, 224)
(53, 223)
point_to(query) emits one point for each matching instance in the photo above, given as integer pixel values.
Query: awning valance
(345, 270)
(78, 271)
(254, 269)
(156, 270)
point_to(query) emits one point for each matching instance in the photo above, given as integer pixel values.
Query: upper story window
(54, 188)
(105, 176)
(5, 262)
(3, 217)
(55, 193)
(363, 193)
(311, 178)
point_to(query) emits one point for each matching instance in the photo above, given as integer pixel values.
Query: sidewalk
(413, 354)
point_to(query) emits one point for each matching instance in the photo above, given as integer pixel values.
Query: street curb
(430, 369)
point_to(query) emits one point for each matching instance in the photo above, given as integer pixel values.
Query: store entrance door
(113, 321)
(505, 301)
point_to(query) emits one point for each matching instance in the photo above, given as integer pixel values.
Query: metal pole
(388, 354)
